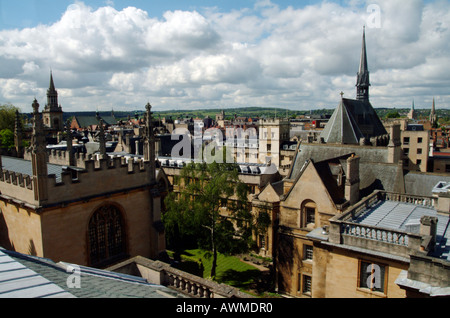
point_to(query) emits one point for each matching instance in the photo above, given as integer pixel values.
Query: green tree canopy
(7, 138)
(8, 117)
(195, 212)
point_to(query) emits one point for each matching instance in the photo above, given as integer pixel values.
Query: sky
(219, 54)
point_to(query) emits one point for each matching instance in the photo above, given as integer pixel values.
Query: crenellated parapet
(91, 177)
(16, 179)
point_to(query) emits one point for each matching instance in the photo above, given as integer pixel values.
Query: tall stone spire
(149, 142)
(362, 82)
(412, 112)
(39, 156)
(52, 96)
(433, 117)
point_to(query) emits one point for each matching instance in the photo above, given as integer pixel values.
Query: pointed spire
(52, 84)
(433, 117)
(362, 82)
(363, 62)
(52, 96)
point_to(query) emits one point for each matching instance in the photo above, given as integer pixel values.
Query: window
(106, 236)
(419, 140)
(310, 215)
(306, 284)
(262, 241)
(269, 147)
(406, 151)
(406, 140)
(372, 276)
(307, 252)
(419, 151)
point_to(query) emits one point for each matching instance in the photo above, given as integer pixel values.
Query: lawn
(230, 270)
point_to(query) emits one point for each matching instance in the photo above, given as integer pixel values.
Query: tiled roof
(50, 280)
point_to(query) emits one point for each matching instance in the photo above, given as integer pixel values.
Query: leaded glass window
(106, 236)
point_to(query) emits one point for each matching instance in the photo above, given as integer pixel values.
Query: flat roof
(396, 215)
(24, 167)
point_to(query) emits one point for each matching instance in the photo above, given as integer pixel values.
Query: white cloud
(260, 56)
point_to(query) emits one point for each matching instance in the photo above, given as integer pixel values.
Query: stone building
(387, 245)
(95, 212)
(52, 115)
(354, 156)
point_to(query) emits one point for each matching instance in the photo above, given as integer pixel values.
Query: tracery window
(106, 236)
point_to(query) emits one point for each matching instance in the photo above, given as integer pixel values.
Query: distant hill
(253, 112)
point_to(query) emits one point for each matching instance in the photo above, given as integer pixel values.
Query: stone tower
(52, 115)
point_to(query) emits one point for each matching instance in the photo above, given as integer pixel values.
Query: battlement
(17, 179)
(69, 183)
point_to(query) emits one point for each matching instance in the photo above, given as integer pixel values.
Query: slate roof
(27, 276)
(351, 121)
(23, 166)
(86, 121)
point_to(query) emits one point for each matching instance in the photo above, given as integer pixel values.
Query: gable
(268, 194)
(310, 187)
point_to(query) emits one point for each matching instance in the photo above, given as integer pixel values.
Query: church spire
(433, 116)
(363, 83)
(52, 96)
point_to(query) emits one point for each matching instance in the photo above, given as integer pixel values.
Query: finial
(35, 106)
(342, 94)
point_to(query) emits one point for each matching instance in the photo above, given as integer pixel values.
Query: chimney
(394, 146)
(428, 225)
(352, 179)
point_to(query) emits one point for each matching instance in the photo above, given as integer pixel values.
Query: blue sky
(29, 13)
(223, 53)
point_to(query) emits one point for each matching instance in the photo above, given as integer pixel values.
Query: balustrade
(190, 287)
(373, 233)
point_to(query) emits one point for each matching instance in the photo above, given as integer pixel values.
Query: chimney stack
(352, 180)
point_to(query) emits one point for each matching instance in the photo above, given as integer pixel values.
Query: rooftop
(25, 276)
(24, 167)
(402, 216)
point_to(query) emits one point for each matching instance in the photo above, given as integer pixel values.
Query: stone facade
(98, 212)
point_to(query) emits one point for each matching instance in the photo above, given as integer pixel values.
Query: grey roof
(23, 166)
(351, 121)
(86, 120)
(423, 184)
(19, 281)
(396, 215)
(27, 276)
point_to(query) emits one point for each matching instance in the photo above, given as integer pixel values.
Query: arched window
(106, 236)
(308, 214)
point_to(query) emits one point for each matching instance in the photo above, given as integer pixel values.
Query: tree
(8, 117)
(393, 114)
(206, 189)
(7, 138)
